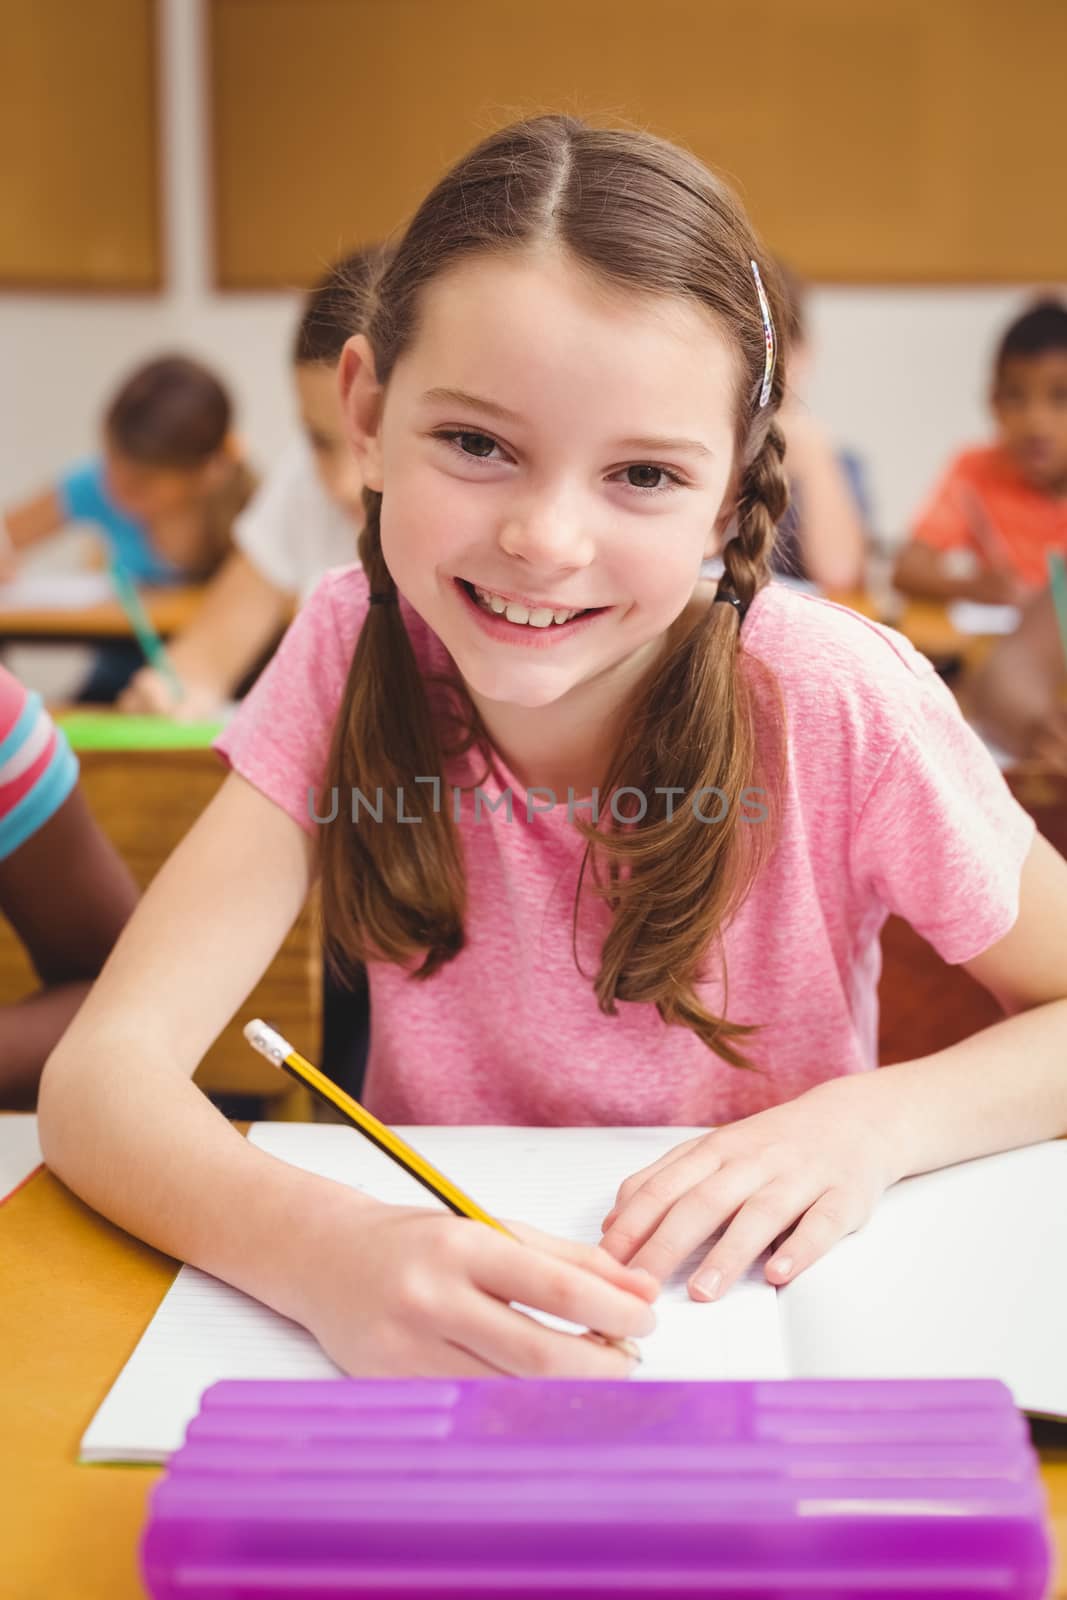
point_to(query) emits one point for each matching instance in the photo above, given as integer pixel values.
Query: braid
(761, 505)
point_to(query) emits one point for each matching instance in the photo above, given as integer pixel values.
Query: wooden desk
(926, 624)
(169, 610)
(86, 1292)
(145, 801)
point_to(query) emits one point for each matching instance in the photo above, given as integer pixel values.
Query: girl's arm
(1014, 695)
(384, 1288)
(928, 574)
(67, 894)
(25, 524)
(1006, 1085)
(831, 533)
(121, 1121)
(811, 1170)
(239, 617)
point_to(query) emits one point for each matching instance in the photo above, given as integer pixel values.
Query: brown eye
(644, 477)
(476, 444)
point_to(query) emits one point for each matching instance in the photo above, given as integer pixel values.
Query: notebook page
(564, 1181)
(20, 1150)
(561, 1180)
(959, 1273)
(203, 1331)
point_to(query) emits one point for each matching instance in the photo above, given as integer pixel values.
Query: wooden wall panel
(890, 141)
(79, 167)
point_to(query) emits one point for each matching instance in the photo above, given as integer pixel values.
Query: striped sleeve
(38, 769)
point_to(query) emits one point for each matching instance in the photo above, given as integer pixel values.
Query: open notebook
(961, 1273)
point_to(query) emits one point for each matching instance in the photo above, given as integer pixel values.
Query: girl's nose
(547, 536)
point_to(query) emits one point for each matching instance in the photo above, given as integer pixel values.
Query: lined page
(564, 1181)
(20, 1150)
(561, 1180)
(960, 1273)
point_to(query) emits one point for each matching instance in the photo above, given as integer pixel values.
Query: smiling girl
(564, 402)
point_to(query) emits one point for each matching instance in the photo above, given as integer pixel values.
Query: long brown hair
(644, 215)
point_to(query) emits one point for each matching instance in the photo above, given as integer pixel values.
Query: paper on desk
(55, 591)
(560, 1180)
(20, 1150)
(971, 617)
(958, 1274)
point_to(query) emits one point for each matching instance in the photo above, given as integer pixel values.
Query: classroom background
(176, 175)
(196, 163)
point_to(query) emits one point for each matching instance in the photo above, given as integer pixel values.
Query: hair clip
(384, 598)
(732, 600)
(770, 341)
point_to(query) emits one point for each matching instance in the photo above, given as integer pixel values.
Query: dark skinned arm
(67, 895)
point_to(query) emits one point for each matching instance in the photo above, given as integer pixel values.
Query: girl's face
(554, 456)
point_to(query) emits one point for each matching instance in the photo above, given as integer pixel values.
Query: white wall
(900, 374)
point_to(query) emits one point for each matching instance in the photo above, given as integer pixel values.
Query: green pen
(1057, 572)
(147, 637)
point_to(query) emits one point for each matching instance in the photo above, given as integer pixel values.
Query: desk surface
(170, 611)
(84, 1291)
(925, 623)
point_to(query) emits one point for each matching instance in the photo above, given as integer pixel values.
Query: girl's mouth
(518, 618)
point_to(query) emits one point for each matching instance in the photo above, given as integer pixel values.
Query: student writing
(563, 403)
(161, 496)
(304, 519)
(166, 486)
(998, 510)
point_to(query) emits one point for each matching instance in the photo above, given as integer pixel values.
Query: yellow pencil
(269, 1042)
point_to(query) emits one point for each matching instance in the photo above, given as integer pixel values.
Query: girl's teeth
(540, 617)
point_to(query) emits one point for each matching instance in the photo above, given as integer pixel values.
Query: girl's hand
(417, 1293)
(811, 1170)
(996, 586)
(1047, 740)
(150, 693)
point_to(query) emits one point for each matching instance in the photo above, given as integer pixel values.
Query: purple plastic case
(483, 1488)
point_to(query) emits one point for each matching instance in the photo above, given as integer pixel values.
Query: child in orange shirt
(997, 512)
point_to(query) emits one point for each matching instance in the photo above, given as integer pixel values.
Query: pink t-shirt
(890, 804)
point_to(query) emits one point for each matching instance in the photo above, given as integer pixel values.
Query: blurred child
(659, 823)
(304, 519)
(998, 510)
(1018, 696)
(822, 535)
(63, 889)
(166, 487)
